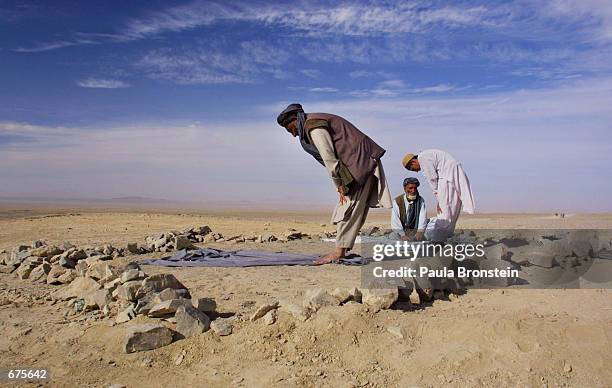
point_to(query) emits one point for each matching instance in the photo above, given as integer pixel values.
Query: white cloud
(323, 90)
(212, 64)
(311, 73)
(47, 46)
(100, 83)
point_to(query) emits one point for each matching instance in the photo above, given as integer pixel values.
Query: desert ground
(535, 338)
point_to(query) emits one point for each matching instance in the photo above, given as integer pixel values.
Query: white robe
(451, 187)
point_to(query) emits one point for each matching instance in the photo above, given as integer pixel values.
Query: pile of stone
(315, 299)
(94, 286)
(53, 264)
(374, 299)
(175, 240)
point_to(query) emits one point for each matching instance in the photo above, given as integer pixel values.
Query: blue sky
(178, 100)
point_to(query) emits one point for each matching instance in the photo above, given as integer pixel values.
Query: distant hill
(137, 199)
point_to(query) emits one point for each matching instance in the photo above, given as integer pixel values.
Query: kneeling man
(449, 184)
(409, 215)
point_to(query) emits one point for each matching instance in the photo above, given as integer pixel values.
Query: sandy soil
(486, 337)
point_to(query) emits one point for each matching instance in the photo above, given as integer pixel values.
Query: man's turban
(290, 113)
(407, 159)
(410, 180)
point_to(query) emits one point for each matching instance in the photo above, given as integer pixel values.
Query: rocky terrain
(91, 314)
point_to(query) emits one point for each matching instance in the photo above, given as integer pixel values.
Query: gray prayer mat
(209, 257)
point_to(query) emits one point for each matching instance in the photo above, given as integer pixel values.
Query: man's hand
(418, 236)
(343, 199)
(439, 210)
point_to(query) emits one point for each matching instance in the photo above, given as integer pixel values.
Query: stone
(397, 332)
(112, 285)
(168, 307)
(131, 274)
(206, 305)
(67, 263)
(182, 242)
(21, 248)
(159, 282)
(39, 274)
(179, 358)
(126, 315)
(371, 230)
(263, 310)
(97, 258)
(270, 317)
(169, 294)
(16, 258)
(128, 291)
(542, 260)
(191, 321)
(208, 239)
(414, 297)
(379, 298)
(268, 237)
(133, 248)
(102, 270)
(221, 326)
(316, 298)
(37, 244)
(157, 244)
(342, 294)
(355, 294)
(67, 277)
(46, 251)
(108, 249)
(54, 273)
(146, 337)
(81, 268)
(79, 288)
(76, 254)
(66, 245)
(202, 230)
(298, 312)
(98, 299)
(24, 270)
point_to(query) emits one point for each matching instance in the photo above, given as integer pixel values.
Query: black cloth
(414, 208)
(306, 145)
(296, 111)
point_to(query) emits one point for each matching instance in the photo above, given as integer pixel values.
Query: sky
(178, 99)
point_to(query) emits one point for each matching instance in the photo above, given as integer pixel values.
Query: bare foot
(333, 257)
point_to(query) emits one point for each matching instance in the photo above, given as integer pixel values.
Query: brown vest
(399, 200)
(357, 151)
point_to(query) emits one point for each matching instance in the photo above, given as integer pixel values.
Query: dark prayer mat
(209, 257)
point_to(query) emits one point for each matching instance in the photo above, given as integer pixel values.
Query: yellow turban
(407, 159)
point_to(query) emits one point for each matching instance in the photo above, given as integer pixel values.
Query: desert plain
(510, 337)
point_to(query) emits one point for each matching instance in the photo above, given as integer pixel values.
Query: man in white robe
(449, 184)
